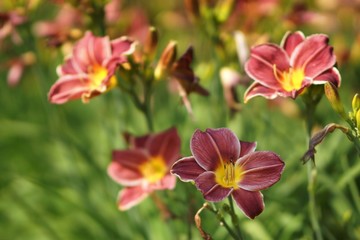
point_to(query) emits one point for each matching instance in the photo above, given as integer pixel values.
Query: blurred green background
(53, 158)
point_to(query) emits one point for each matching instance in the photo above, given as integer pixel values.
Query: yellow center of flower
(154, 169)
(97, 75)
(290, 80)
(228, 174)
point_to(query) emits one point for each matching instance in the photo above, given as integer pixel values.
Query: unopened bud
(192, 7)
(356, 103)
(334, 99)
(224, 9)
(357, 117)
(166, 60)
(151, 41)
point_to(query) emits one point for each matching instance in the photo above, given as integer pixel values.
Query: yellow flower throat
(228, 174)
(290, 80)
(154, 169)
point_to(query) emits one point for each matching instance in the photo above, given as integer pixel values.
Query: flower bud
(334, 99)
(224, 9)
(167, 59)
(357, 117)
(192, 7)
(356, 103)
(151, 41)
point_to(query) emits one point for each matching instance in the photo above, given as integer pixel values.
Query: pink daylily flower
(286, 70)
(145, 167)
(222, 165)
(90, 70)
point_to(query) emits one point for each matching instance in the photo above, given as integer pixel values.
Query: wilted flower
(287, 70)
(145, 167)
(91, 68)
(180, 72)
(222, 165)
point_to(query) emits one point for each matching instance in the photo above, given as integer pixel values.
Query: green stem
(234, 218)
(312, 174)
(222, 221)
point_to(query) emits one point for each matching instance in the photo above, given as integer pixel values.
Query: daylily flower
(288, 69)
(145, 167)
(65, 26)
(91, 68)
(222, 165)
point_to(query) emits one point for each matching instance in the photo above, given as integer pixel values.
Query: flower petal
(314, 55)
(187, 169)
(68, 87)
(167, 182)
(122, 46)
(256, 89)
(213, 145)
(260, 170)
(69, 67)
(210, 189)
(131, 159)
(251, 203)
(247, 148)
(130, 197)
(291, 41)
(260, 66)
(165, 144)
(123, 175)
(332, 75)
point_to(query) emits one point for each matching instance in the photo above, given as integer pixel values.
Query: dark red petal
(291, 41)
(256, 89)
(260, 170)
(131, 159)
(247, 148)
(187, 169)
(332, 75)
(251, 203)
(130, 197)
(210, 189)
(165, 144)
(123, 175)
(314, 55)
(214, 145)
(260, 66)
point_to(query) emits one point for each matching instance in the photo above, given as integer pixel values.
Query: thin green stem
(312, 173)
(222, 221)
(234, 218)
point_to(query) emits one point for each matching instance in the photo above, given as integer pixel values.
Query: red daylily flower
(222, 165)
(288, 69)
(145, 167)
(91, 68)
